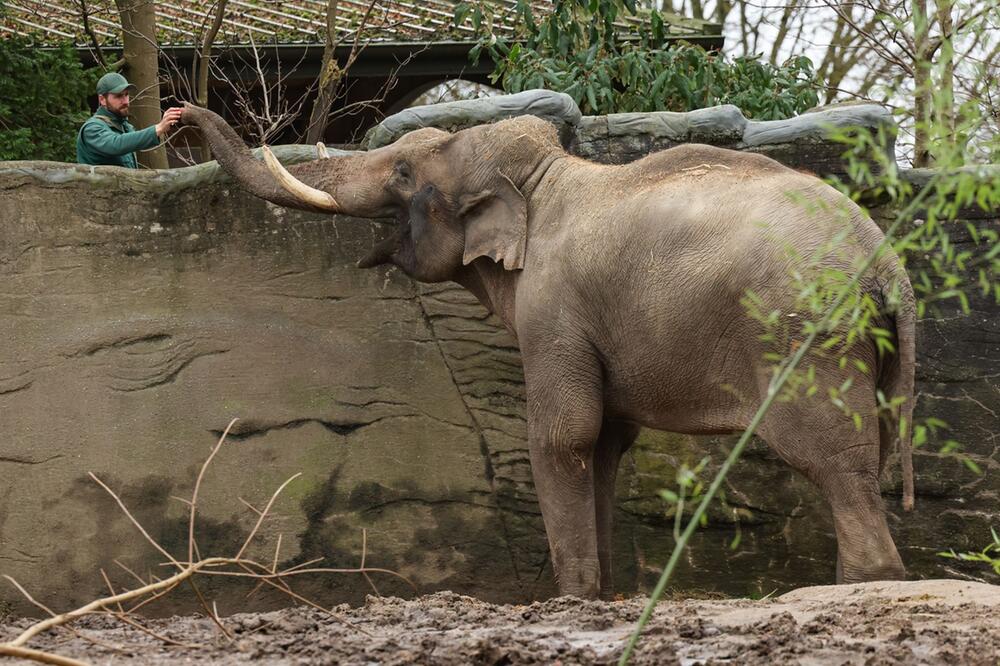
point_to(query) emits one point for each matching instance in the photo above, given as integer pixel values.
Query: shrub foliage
(583, 50)
(43, 100)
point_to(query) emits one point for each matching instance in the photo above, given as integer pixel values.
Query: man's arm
(106, 142)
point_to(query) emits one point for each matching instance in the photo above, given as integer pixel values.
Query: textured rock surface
(557, 108)
(623, 137)
(801, 142)
(142, 311)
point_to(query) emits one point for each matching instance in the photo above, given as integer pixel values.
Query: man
(107, 137)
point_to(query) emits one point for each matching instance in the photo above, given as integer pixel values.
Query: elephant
(623, 287)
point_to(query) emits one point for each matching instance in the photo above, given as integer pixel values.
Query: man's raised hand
(170, 117)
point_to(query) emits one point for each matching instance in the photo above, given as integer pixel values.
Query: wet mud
(922, 622)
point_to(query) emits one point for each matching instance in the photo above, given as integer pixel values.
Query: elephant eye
(403, 172)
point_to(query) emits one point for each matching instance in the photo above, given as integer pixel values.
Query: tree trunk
(722, 9)
(330, 77)
(204, 60)
(921, 84)
(946, 58)
(783, 24)
(138, 18)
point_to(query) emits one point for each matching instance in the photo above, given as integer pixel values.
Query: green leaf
(670, 496)
(592, 100)
(934, 423)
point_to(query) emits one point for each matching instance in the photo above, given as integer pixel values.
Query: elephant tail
(896, 376)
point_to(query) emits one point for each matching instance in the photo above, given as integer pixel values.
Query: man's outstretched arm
(106, 142)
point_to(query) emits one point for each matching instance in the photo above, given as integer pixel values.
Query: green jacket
(107, 138)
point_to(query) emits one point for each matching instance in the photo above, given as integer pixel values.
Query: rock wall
(143, 310)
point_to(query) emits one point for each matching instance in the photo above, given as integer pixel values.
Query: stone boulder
(557, 108)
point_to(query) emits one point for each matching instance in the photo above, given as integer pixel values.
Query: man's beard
(121, 111)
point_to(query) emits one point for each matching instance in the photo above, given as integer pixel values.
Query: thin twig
(274, 568)
(78, 634)
(63, 618)
(111, 589)
(211, 614)
(134, 574)
(123, 617)
(364, 552)
(39, 656)
(162, 593)
(263, 514)
(197, 487)
(135, 522)
(249, 505)
(313, 604)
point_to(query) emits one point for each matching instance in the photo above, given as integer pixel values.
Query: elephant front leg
(561, 442)
(564, 482)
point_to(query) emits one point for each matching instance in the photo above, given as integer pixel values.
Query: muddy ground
(923, 622)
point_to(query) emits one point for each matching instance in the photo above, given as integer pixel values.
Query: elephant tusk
(307, 194)
(321, 150)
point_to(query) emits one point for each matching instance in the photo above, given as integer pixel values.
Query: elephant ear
(496, 224)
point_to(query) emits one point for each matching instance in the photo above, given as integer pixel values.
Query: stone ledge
(815, 125)
(718, 124)
(800, 142)
(162, 180)
(557, 108)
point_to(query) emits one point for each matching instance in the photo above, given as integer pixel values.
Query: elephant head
(455, 197)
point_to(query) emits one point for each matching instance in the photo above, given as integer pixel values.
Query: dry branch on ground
(185, 571)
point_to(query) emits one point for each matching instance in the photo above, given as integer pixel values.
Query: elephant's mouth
(384, 250)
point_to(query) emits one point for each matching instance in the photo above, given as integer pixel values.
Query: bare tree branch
(184, 572)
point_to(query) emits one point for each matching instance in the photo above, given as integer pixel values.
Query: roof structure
(303, 22)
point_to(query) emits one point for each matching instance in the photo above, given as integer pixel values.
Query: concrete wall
(141, 311)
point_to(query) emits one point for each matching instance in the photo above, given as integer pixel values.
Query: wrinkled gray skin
(622, 285)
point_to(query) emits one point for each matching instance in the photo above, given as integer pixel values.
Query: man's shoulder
(104, 122)
(97, 123)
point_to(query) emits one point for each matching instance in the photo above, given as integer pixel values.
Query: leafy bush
(43, 100)
(579, 49)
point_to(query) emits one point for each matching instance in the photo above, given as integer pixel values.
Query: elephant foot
(869, 573)
(580, 578)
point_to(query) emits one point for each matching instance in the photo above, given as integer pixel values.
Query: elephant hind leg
(615, 439)
(824, 444)
(865, 550)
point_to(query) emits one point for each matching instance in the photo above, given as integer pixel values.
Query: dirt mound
(922, 622)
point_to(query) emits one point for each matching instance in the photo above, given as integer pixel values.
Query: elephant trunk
(290, 188)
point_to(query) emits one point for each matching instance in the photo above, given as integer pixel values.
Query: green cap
(112, 82)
